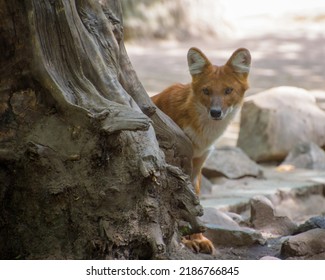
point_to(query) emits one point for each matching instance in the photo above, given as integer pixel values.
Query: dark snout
(216, 113)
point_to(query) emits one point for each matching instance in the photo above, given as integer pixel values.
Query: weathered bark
(81, 171)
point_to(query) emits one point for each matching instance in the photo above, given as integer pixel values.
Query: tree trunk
(82, 174)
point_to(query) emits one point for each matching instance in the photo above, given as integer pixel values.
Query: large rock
(320, 98)
(230, 162)
(263, 218)
(274, 121)
(306, 155)
(306, 244)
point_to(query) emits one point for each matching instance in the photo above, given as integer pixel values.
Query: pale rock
(214, 216)
(223, 230)
(275, 120)
(236, 218)
(269, 258)
(306, 155)
(233, 237)
(307, 244)
(320, 98)
(230, 162)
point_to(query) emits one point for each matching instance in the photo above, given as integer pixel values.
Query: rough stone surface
(230, 162)
(313, 222)
(265, 133)
(300, 206)
(306, 155)
(320, 256)
(309, 243)
(264, 218)
(233, 237)
(214, 216)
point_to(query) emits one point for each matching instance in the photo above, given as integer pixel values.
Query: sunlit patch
(285, 168)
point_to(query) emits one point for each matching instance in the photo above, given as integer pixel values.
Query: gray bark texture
(89, 168)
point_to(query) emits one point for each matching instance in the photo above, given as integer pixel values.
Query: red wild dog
(204, 108)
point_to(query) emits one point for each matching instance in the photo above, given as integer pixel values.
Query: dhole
(204, 108)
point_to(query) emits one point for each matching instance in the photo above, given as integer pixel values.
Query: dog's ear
(240, 61)
(197, 61)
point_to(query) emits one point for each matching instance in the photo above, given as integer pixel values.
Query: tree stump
(89, 168)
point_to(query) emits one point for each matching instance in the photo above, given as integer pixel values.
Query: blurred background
(286, 40)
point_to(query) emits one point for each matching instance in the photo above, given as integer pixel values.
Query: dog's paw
(191, 244)
(199, 244)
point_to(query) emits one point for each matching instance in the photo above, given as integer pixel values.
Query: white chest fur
(209, 131)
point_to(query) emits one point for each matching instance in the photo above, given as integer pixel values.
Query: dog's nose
(216, 113)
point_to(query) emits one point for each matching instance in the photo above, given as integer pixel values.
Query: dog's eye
(206, 91)
(228, 90)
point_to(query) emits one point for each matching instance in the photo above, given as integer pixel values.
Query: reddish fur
(181, 102)
(199, 244)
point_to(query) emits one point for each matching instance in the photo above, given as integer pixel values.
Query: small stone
(214, 216)
(230, 162)
(306, 155)
(264, 218)
(233, 237)
(262, 212)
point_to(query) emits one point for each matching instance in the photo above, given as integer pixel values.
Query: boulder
(320, 98)
(263, 218)
(306, 155)
(230, 162)
(305, 244)
(274, 121)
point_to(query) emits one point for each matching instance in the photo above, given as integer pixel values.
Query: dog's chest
(209, 130)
